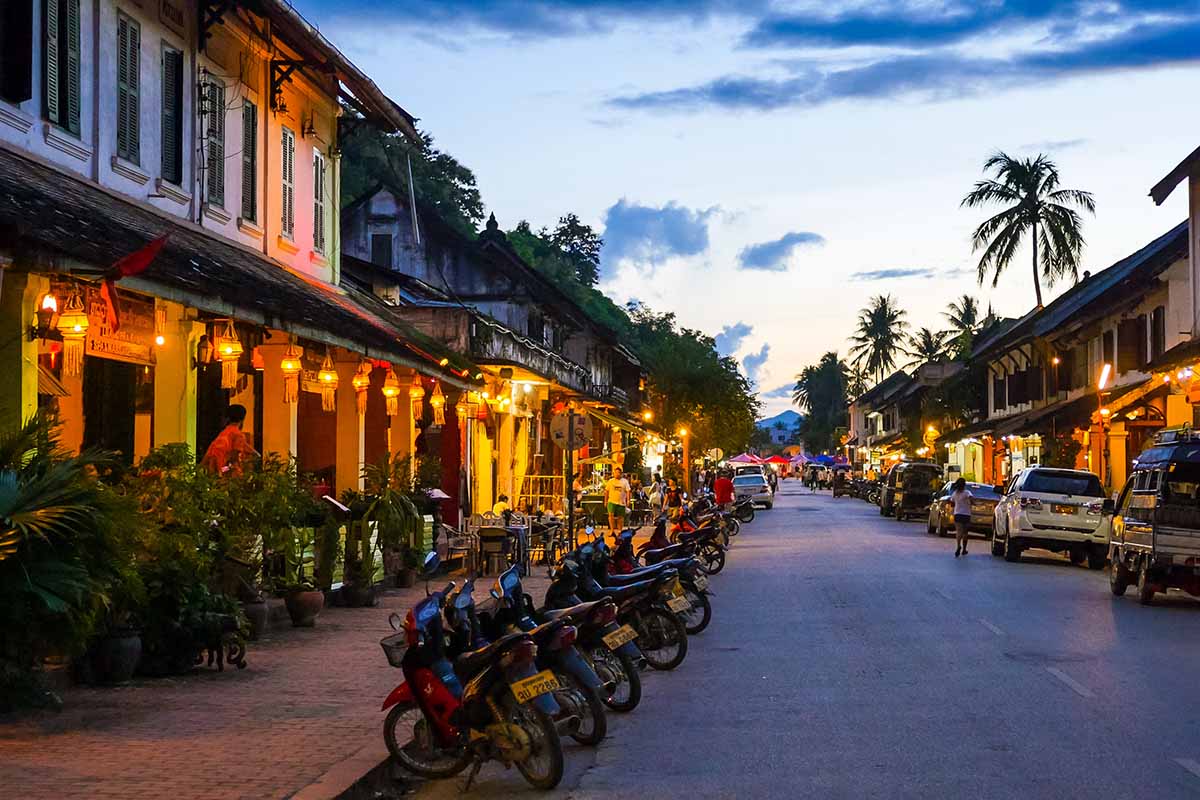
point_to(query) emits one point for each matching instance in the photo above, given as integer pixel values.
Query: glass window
(1052, 482)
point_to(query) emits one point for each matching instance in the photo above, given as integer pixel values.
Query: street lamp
(682, 433)
(647, 415)
(1103, 468)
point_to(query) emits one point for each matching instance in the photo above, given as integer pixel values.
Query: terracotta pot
(406, 578)
(115, 657)
(357, 595)
(303, 608)
(259, 615)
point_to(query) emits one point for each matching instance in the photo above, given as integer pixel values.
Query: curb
(348, 778)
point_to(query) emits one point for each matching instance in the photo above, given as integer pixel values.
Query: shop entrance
(118, 403)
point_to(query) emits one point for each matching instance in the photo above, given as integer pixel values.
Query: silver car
(756, 488)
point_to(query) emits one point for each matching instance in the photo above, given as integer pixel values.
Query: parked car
(983, 506)
(749, 469)
(1053, 509)
(908, 489)
(754, 487)
(1156, 525)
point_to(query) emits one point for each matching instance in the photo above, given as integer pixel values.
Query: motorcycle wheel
(593, 724)
(746, 515)
(712, 560)
(735, 527)
(696, 618)
(662, 638)
(543, 769)
(417, 754)
(620, 668)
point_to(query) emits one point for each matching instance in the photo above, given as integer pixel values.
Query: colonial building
(214, 125)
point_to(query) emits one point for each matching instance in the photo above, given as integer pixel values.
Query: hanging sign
(559, 425)
(134, 342)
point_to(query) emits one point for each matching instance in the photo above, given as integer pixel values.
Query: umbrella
(823, 459)
(799, 458)
(745, 458)
(776, 460)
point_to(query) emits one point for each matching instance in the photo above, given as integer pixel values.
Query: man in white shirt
(616, 496)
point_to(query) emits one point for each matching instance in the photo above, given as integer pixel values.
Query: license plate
(534, 686)
(701, 582)
(679, 604)
(1057, 509)
(621, 636)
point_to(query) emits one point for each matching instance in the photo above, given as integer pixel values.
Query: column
(279, 418)
(18, 356)
(1118, 455)
(504, 462)
(349, 461)
(175, 379)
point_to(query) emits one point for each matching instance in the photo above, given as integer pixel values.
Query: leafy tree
(1035, 208)
(581, 246)
(821, 391)
(925, 346)
(441, 182)
(880, 336)
(964, 320)
(856, 380)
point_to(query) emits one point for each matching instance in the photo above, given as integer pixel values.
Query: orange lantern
(328, 378)
(361, 382)
(73, 327)
(416, 394)
(290, 365)
(391, 392)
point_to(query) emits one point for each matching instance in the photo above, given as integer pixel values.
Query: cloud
(779, 392)
(652, 234)
(731, 337)
(1054, 146)
(893, 273)
(772, 256)
(753, 362)
(935, 74)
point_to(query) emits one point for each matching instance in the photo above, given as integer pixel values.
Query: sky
(763, 168)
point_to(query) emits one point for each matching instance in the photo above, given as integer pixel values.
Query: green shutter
(128, 107)
(51, 60)
(249, 161)
(216, 144)
(172, 115)
(72, 66)
(288, 176)
(318, 202)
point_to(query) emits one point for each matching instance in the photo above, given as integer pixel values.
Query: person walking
(723, 491)
(616, 495)
(960, 495)
(231, 448)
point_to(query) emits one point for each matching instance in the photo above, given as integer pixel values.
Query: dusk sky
(764, 168)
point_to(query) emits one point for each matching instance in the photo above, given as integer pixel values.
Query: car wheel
(1076, 555)
(1012, 550)
(1097, 557)
(929, 524)
(1145, 589)
(941, 529)
(770, 506)
(1118, 578)
(997, 545)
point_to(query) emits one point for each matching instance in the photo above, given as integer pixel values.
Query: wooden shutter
(1158, 332)
(172, 115)
(318, 202)
(72, 65)
(52, 55)
(288, 178)
(1108, 348)
(1128, 351)
(1143, 341)
(381, 249)
(128, 42)
(16, 50)
(249, 161)
(215, 140)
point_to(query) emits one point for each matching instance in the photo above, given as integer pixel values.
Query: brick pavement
(307, 700)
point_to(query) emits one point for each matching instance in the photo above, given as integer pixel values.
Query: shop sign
(134, 342)
(171, 13)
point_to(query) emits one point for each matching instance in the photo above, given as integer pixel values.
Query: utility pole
(687, 462)
(569, 480)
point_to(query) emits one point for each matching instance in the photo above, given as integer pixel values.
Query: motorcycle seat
(664, 553)
(621, 593)
(651, 571)
(580, 610)
(470, 663)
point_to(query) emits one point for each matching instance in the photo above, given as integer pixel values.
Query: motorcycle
(743, 510)
(620, 568)
(488, 704)
(702, 544)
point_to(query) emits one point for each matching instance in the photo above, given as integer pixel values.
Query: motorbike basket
(394, 647)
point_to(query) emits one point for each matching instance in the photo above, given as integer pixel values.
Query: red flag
(133, 264)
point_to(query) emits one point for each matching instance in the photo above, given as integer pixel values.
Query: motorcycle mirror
(395, 621)
(430, 565)
(495, 595)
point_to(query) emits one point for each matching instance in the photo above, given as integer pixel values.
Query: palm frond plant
(1036, 209)
(926, 346)
(393, 510)
(879, 336)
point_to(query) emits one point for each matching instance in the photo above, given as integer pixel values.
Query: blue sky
(763, 167)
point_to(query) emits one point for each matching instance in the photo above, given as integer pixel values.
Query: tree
(856, 380)
(821, 391)
(925, 346)
(880, 336)
(963, 315)
(581, 246)
(1035, 208)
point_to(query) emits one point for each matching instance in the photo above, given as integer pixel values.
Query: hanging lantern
(73, 326)
(437, 402)
(229, 351)
(361, 382)
(391, 392)
(328, 378)
(290, 366)
(160, 325)
(416, 393)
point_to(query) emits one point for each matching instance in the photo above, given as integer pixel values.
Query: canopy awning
(617, 422)
(50, 385)
(745, 458)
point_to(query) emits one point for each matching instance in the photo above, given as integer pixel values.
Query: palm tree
(856, 380)
(963, 316)
(821, 392)
(880, 335)
(1036, 208)
(925, 346)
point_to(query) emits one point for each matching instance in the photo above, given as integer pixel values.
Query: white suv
(1054, 509)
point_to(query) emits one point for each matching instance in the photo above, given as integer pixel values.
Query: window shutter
(318, 202)
(1158, 332)
(288, 176)
(1128, 345)
(249, 161)
(72, 66)
(53, 53)
(172, 115)
(1143, 348)
(128, 42)
(215, 140)
(16, 50)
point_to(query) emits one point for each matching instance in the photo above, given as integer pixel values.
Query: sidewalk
(307, 702)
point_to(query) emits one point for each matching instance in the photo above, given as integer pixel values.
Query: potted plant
(392, 510)
(303, 600)
(359, 589)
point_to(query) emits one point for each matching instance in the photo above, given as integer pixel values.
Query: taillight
(564, 637)
(523, 652)
(604, 614)
(1031, 502)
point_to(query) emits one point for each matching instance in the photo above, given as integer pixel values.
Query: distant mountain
(789, 419)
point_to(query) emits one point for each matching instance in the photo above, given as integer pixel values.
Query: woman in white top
(960, 495)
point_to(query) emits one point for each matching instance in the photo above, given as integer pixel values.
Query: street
(853, 656)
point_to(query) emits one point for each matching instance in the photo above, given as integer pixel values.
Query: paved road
(853, 656)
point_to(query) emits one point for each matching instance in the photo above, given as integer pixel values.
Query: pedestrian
(657, 495)
(723, 491)
(616, 494)
(674, 500)
(501, 505)
(961, 496)
(231, 447)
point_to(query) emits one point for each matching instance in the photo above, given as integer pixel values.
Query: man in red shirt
(227, 451)
(723, 491)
